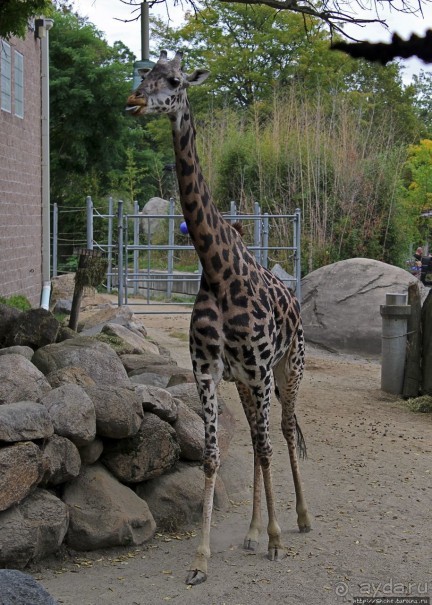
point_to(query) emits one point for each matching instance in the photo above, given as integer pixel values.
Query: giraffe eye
(174, 82)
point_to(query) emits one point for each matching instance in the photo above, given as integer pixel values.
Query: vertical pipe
(170, 249)
(145, 36)
(110, 241)
(45, 168)
(257, 232)
(136, 244)
(265, 240)
(233, 211)
(89, 206)
(126, 258)
(394, 315)
(297, 252)
(55, 240)
(120, 275)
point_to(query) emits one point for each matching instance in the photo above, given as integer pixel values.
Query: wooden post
(426, 318)
(91, 271)
(412, 377)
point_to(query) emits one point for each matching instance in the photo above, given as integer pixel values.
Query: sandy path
(368, 485)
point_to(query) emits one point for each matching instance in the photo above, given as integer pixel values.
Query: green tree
(15, 15)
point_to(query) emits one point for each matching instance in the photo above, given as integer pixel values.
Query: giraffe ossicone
(245, 324)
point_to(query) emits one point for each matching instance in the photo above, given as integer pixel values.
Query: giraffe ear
(144, 71)
(197, 77)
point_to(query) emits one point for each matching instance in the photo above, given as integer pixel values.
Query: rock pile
(100, 439)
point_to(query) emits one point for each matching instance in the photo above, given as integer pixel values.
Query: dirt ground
(367, 480)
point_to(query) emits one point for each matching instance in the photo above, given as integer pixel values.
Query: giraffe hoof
(195, 576)
(276, 554)
(304, 529)
(250, 545)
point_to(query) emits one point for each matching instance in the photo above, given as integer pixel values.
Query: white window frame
(19, 84)
(5, 76)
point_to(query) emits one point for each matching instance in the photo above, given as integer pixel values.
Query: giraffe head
(163, 87)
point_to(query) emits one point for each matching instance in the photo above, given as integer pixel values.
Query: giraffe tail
(301, 443)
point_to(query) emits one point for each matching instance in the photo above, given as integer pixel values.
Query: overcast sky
(103, 13)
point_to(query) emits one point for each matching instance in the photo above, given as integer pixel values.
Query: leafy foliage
(15, 15)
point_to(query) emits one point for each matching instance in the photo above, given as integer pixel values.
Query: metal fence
(134, 266)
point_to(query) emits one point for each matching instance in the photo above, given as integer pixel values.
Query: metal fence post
(89, 204)
(233, 211)
(110, 243)
(257, 232)
(394, 315)
(55, 240)
(297, 252)
(120, 273)
(136, 244)
(170, 249)
(265, 240)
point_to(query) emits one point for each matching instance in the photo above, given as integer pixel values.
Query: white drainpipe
(42, 28)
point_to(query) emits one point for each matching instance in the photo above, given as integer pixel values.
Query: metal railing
(131, 263)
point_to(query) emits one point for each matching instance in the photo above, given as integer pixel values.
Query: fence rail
(132, 266)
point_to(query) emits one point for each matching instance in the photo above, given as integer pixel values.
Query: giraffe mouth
(134, 110)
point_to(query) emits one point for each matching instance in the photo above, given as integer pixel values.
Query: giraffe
(245, 325)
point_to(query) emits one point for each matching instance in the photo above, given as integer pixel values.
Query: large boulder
(24, 421)
(22, 468)
(149, 454)
(155, 205)
(341, 303)
(34, 328)
(92, 323)
(72, 413)
(99, 360)
(176, 498)
(18, 588)
(70, 375)
(158, 401)
(7, 316)
(63, 460)
(19, 350)
(33, 529)
(140, 362)
(129, 341)
(119, 411)
(189, 428)
(105, 513)
(20, 380)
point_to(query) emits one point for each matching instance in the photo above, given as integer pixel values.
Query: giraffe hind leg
(288, 374)
(251, 540)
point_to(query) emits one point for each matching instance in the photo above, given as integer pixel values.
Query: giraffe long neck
(207, 228)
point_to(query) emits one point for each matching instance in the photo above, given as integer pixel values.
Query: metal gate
(148, 271)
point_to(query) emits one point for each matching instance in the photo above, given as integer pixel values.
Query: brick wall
(20, 182)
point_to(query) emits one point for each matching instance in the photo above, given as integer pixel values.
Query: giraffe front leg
(276, 551)
(198, 569)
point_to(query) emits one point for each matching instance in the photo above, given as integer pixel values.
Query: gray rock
(99, 360)
(189, 428)
(19, 350)
(18, 588)
(151, 378)
(72, 413)
(20, 380)
(155, 205)
(134, 343)
(34, 328)
(63, 460)
(119, 411)
(158, 401)
(70, 375)
(175, 498)
(7, 317)
(63, 305)
(149, 454)
(341, 303)
(92, 452)
(22, 467)
(105, 513)
(188, 393)
(286, 278)
(24, 421)
(33, 529)
(134, 362)
(110, 314)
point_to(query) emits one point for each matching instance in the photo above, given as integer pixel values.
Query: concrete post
(394, 315)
